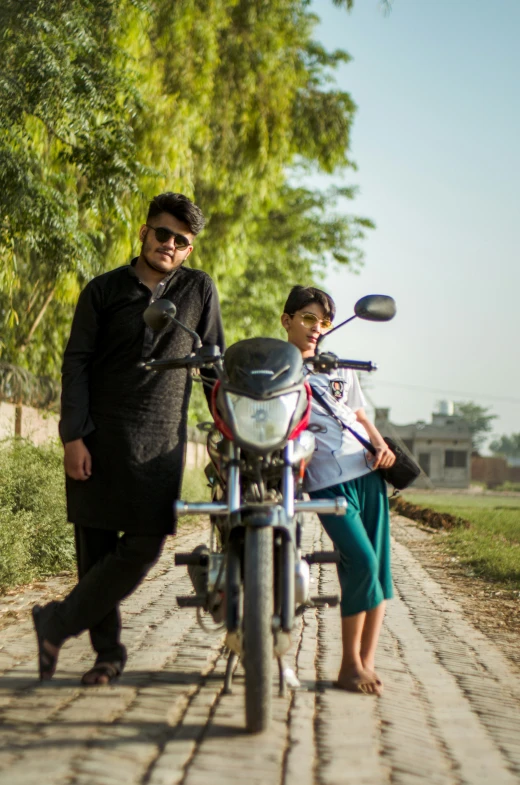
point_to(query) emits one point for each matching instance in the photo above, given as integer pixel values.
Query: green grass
(490, 548)
(194, 489)
(195, 486)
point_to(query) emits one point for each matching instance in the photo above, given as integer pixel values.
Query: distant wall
(37, 426)
(493, 471)
(196, 454)
(40, 426)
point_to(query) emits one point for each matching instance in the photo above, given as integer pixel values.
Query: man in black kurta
(124, 429)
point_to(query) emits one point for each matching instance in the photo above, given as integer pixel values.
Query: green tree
(508, 446)
(66, 161)
(479, 420)
(103, 104)
(247, 76)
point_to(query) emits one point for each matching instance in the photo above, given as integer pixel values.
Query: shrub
(508, 486)
(35, 539)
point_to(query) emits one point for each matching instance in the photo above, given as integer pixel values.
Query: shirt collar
(166, 280)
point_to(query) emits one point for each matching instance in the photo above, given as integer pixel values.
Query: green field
(490, 548)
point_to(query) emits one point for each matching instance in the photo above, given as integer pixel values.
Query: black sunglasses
(163, 235)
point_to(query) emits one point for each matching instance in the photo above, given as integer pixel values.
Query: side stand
(230, 670)
(282, 683)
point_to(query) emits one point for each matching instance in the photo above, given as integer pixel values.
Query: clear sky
(437, 143)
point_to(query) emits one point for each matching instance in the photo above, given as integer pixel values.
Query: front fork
(287, 549)
(284, 546)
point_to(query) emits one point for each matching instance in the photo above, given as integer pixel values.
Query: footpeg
(324, 600)
(191, 601)
(322, 557)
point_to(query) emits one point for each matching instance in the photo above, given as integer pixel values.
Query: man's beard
(158, 269)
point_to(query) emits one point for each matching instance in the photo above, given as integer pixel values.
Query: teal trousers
(362, 537)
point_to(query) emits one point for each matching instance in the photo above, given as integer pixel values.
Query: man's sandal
(112, 671)
(46, 661)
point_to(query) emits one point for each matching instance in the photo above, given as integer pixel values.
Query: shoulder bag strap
(321, 400)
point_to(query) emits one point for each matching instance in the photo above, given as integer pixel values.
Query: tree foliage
(507, 446)
(479, 420)
(67, 161)
(104, 104)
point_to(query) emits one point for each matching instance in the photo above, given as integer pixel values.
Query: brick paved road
(449, 715)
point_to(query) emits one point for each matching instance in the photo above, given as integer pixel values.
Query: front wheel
(258, 620)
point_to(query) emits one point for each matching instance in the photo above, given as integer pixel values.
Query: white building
(442, 448)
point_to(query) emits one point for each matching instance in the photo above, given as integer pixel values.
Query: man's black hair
(302, 296)
(180, 207)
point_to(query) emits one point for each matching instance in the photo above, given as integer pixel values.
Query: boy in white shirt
(342, 467)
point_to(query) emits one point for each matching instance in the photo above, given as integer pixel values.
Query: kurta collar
(167, 280)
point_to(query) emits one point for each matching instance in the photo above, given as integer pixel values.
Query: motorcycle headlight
(262, 423)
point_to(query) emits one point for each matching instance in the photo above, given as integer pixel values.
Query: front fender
(259, 518)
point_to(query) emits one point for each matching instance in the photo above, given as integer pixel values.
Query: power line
(470, 395)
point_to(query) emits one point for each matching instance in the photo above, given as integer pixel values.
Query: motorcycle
(254, 578)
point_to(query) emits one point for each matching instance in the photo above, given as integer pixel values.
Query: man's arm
(211, 332)
(75, 422)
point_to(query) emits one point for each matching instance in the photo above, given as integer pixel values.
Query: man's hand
(384, 457)
(78, 462)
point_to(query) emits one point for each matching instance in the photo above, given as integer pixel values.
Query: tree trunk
(18, 410)
(38, 319)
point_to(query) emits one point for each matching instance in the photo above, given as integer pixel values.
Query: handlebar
(326, 361)
(204, 356)
(190, 361)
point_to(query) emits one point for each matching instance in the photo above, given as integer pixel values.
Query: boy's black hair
(301, 296)
(180, 207)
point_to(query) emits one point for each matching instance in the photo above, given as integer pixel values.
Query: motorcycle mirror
(375, 308)
(372, 308)
(159, 314)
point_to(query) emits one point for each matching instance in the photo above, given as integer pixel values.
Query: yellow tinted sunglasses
(311, 320)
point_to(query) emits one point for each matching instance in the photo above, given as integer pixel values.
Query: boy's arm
(384, 457)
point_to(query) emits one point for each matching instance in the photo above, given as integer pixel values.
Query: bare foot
(368, 667)
(358, 680)
(377, 678)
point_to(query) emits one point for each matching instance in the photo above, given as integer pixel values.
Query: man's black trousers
(110, 567)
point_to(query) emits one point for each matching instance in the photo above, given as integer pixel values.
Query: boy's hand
(384, 457)
(77, 461)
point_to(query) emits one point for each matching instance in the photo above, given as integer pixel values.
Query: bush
(35, 539)
(508, 486)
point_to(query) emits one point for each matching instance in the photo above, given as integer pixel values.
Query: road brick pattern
(450, 713)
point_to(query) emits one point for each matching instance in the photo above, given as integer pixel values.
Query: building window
(408, 443)
(424, 462)
(455, 459)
